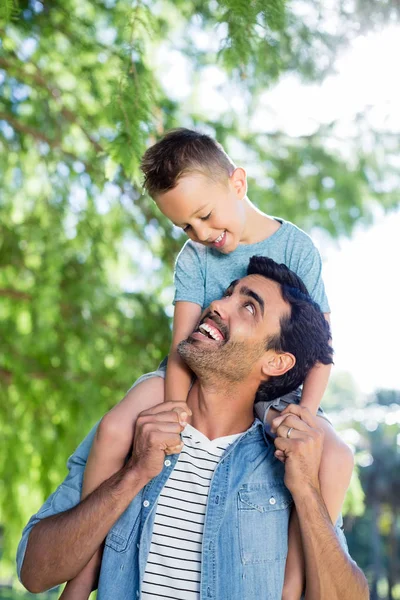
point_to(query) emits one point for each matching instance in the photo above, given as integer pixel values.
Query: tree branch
(40, 136)
(38, 78)
(23, 128)
(10, 293)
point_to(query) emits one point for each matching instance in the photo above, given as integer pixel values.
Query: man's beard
(223, 362)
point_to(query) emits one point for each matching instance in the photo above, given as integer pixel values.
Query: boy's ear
(277, 364)
(239, 181)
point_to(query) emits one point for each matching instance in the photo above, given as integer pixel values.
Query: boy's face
(211, 213)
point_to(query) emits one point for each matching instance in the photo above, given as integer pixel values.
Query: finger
(295, 422)
(278, 421)
(174, 416)
(175, 449)
(182, 414)
(161, 426)
(288, 430)
(164, 440)
(280, 456)
(287, 445)
(300, 411)
(303, 412)
(167, 406)
(177, 405)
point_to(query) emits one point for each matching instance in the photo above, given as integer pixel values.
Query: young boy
(197, 186)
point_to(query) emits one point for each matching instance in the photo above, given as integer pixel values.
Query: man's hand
(157, 433)
(330, 572)
(302, 451)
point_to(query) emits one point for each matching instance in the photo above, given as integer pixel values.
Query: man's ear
(277, 364)
(238, 180)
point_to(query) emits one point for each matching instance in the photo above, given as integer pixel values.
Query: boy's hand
(157, 433)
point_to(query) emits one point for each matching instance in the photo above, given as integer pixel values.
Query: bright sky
(362, 281)
(360, 274)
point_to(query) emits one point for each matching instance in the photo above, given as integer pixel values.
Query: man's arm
(330, 572)
(59, 546)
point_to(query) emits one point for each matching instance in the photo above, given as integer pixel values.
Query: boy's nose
(202, 233)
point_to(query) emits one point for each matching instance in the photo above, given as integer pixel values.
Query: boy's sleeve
(67, 495)
(189, 274)
(309, 268)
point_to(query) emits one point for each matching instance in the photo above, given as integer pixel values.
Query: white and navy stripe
(173, 567)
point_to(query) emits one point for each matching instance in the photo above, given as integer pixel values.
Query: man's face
(230, 340)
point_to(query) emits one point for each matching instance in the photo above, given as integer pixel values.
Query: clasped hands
(301, 451)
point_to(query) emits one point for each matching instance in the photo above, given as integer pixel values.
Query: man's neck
(219, 411)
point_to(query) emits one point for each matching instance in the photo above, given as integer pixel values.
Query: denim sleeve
(189, 274)
(67, 495)
(340, 534)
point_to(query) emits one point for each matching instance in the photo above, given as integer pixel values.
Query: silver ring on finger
(289, 431)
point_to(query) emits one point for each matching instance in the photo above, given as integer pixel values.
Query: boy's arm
(179, 376)
(315, 383)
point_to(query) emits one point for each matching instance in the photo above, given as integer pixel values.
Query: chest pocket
(263, 514)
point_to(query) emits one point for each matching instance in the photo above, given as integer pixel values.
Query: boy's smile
(210, 212)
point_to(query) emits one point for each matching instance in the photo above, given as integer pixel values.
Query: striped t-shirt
(173, 567)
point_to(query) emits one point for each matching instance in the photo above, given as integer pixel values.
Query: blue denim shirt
(245, 530)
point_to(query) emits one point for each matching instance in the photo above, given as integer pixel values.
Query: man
(176, 529)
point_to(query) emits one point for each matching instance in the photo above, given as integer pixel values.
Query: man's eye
(227, 294)
(206, 217)
(250, 307)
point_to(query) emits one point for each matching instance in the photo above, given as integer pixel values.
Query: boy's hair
(305, 333)
(179, 152)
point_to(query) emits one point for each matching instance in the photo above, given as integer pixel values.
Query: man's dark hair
(179, 152)
(305, 333)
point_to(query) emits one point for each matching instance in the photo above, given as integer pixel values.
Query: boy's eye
(186, 228)
(250, 307)
(206, 217)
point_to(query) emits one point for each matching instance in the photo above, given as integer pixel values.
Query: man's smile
(211, 329)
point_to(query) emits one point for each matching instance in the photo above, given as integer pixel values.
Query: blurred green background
(86, 260)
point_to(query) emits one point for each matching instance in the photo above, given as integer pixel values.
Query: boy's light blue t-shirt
(202, 274)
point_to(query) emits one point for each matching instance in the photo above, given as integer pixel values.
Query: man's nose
(220, 307)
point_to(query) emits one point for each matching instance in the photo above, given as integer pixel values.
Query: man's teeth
(210, 331)
(219, 238)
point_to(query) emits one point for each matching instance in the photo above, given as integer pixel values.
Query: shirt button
(138, 546)
(167, 463)
(272, 500)
(146, 503)
(137, 593)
